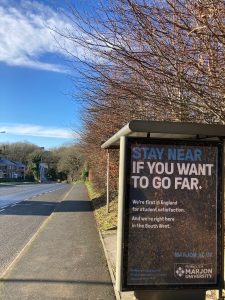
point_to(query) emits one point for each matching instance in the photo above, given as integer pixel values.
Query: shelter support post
(107, 184)
(119, 263)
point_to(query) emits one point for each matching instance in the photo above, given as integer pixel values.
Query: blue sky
(35, 85)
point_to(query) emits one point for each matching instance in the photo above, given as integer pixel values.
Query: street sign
(172, 222)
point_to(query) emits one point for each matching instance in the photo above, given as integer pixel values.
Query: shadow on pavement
(45, 208)
(54, 281)
(74, 206)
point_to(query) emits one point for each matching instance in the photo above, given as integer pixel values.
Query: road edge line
(22, 251)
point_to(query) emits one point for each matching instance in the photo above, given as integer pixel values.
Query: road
(23, 209)
(12, 194)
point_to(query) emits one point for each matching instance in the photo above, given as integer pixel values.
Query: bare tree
(153, 60)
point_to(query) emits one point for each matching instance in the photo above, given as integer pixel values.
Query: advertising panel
(172, 223)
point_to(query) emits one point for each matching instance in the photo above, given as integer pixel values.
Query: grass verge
(105, 221)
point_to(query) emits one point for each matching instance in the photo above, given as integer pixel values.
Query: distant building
(10, 169)
(20, 169)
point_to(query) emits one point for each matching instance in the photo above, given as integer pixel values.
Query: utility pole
(40, 166)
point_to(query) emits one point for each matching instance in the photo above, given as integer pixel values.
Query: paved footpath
(65, 259)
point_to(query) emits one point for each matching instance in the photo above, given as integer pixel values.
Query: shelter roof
(169, 130)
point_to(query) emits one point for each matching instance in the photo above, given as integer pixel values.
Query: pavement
(64, 259)
(108, 239)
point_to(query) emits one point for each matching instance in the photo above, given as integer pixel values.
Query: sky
(35, 87)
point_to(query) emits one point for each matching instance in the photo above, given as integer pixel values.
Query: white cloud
(37, 130)
(25, 35)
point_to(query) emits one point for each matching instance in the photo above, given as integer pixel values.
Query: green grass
(105, 221)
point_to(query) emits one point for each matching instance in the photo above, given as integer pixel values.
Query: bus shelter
(170, 238)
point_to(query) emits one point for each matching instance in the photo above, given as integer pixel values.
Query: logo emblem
(180, 272)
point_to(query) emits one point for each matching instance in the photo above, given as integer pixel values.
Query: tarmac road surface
(16, 193)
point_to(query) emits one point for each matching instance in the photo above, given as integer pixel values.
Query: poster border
(220, 223)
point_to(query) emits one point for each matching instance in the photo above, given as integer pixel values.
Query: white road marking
(53, 188)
